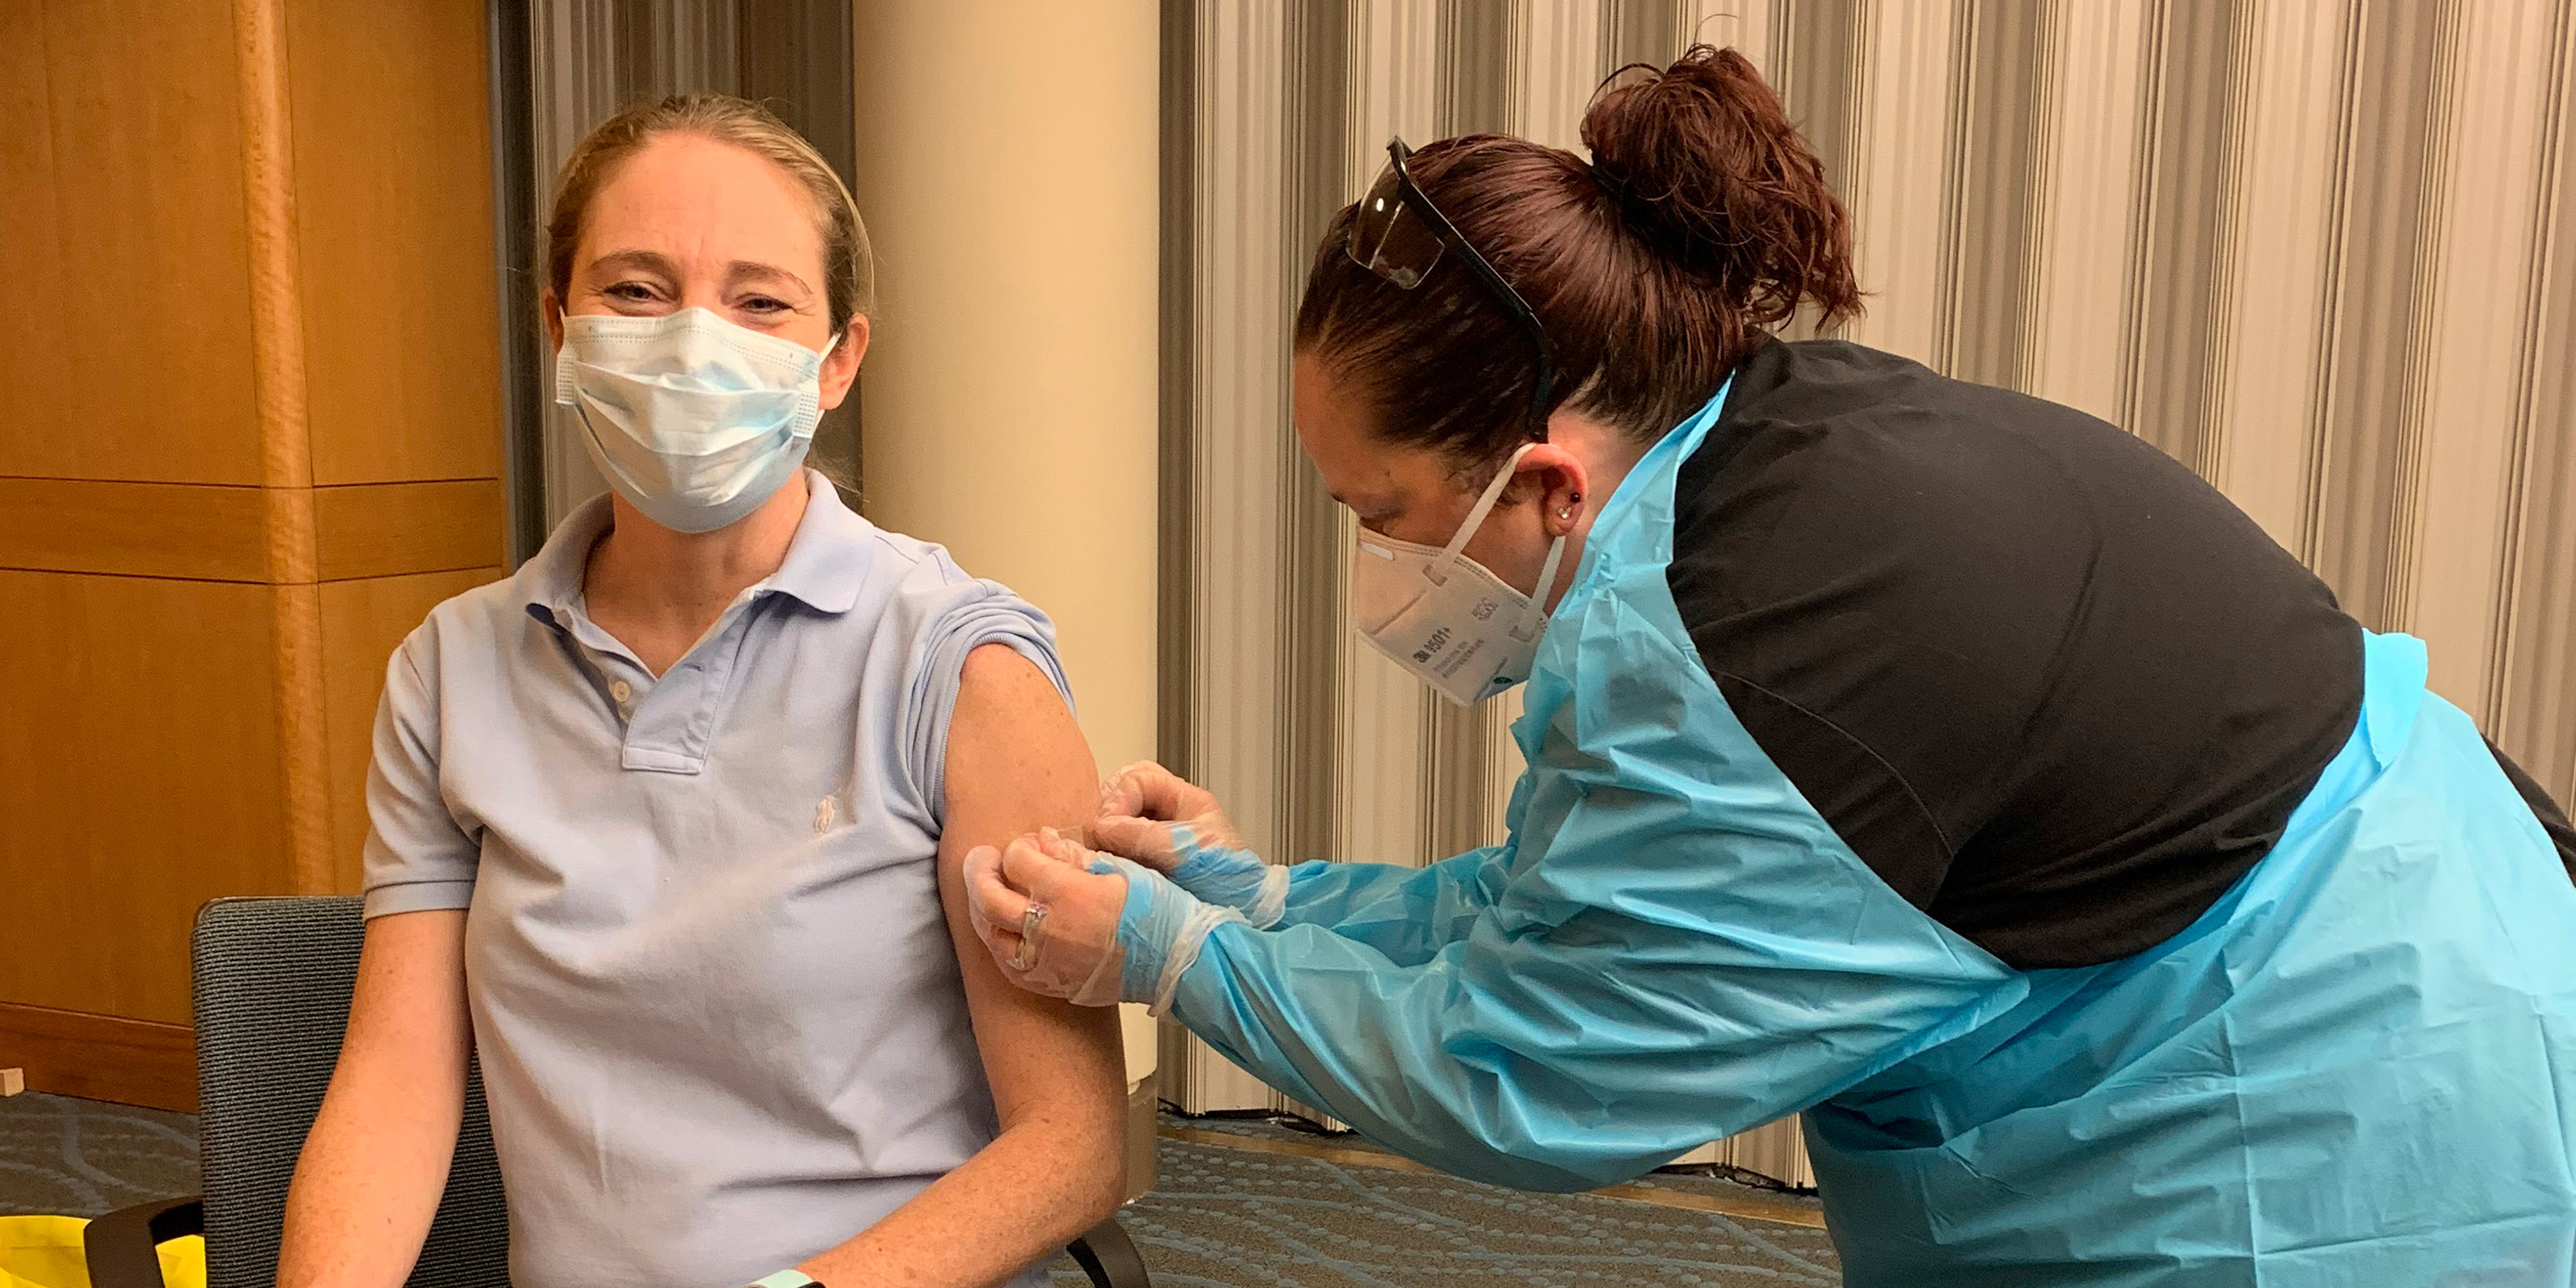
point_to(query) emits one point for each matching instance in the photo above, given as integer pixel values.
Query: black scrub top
(2055, 689)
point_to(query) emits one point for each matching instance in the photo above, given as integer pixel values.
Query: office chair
(273, 980)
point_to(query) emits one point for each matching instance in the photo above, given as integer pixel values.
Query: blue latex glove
(1151, 815)
(1066, 921)
(1160, 930)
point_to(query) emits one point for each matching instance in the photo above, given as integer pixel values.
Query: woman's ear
(1560, 478)
(551, 309)
(841, 365)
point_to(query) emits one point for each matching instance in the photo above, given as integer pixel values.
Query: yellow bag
(45, 1252)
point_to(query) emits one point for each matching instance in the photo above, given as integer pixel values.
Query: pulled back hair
(1702, 222)
(849, 270)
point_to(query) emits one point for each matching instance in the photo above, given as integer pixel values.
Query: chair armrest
(121, 1246)
(1105, 1253)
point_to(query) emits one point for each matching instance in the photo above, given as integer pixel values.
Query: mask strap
(1476, 517)
(1537, 615)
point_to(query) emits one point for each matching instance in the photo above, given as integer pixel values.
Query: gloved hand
(1104, 929)
(1157, 818)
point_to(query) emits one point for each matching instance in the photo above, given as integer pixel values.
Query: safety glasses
(1398, 235)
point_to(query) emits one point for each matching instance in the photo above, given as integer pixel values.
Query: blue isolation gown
(2353, 1069)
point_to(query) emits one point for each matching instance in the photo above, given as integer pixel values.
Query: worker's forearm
(1405, 913)
(370, 1179)
(1471, 1068)
(1336, 1025)
(1018, 1201)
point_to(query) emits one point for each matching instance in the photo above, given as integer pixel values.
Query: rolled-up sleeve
(956, 619)
(417, 857)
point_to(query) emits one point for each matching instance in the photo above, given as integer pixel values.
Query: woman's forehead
(1359, 467)
(692, 199)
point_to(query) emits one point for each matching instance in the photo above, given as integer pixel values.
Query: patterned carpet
(1226, 1218)
(82, 1158)
(1221, 1216)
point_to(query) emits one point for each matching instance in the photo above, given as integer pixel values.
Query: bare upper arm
(408, 1013)
(1016, 762)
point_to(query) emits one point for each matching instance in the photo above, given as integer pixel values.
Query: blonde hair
(848, 268)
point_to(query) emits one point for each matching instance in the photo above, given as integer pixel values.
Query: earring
(1566, 513)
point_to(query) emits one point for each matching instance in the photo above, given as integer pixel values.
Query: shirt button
(620, 690)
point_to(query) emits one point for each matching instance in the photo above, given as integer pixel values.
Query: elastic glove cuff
(1160, 931)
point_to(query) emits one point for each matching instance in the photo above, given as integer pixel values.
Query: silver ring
(1026, 955)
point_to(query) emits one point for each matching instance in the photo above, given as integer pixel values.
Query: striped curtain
(2324, 251)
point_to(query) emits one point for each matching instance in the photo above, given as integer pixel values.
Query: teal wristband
(789, 1278)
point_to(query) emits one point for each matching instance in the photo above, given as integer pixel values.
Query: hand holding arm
(1154, 817)
(1065, 921)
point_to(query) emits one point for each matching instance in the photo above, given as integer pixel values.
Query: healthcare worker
(1935, 760)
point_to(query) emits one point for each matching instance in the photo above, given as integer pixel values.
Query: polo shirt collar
(825, 567)
(827, 561)
(549, 583)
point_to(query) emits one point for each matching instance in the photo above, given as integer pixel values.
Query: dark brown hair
(1702, 221)
(849, 270)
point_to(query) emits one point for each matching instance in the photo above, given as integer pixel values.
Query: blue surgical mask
(694, 420)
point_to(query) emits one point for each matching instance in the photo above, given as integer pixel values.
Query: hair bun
(1705, 169)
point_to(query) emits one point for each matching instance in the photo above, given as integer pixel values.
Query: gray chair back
(273, 979)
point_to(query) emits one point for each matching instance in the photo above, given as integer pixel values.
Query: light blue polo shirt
(719, 1015)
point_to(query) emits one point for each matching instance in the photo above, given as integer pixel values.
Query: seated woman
(667, 828)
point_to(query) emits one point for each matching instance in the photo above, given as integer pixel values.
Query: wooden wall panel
(362, 623)
(381, 529)
(99, 1057)
(153, 788)
(121, 217)
(134, 529)
(249, 250)
(393, 202)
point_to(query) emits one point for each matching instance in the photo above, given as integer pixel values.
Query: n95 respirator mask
(1446, 618)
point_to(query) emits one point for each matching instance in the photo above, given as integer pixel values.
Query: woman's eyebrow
(742, 271)
(647, 261)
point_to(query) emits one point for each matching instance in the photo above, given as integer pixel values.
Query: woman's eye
(763, 304)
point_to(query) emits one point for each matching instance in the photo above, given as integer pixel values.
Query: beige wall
(1007, 171)
(249, 433)
(1006, 167)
